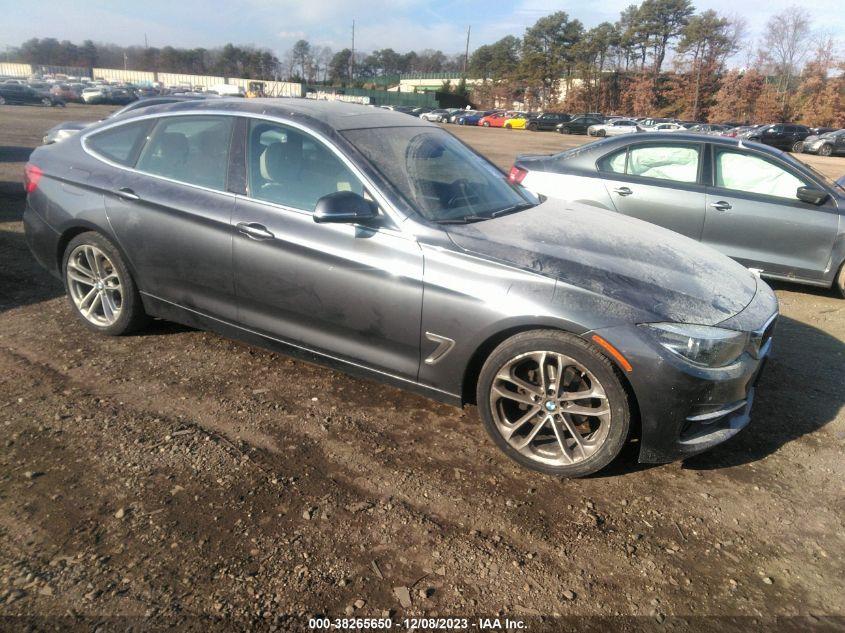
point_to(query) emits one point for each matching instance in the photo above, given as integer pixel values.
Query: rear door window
(190, 149)
(675, 162)
(119, 144)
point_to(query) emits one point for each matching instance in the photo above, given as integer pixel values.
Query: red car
(497, 119)
(65, 92)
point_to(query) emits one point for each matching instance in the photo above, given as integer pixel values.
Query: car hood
(665, 275)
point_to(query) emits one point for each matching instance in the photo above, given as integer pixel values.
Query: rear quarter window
(119, 144)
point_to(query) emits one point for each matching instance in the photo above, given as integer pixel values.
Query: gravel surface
(176, 474)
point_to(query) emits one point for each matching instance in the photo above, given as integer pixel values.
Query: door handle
(255, 231)
(127, 193)
(721, 205)
(623, 191)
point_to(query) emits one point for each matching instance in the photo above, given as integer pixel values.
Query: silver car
(756, 204)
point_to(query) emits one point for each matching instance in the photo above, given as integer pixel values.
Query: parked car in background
(547, 121)
(94, 94)
(417, 112)
(517, 121)
(818, 131)
(423, 267)
(828, 144)
(754, 203)
(578, 125)
(786, 136)
(435, 116)
(614, 128)
(739, 131)
(708, 128)
(473, 117)
(65, 92)
(19, 94)
(666, 127)
(69, 128)
(494, 119)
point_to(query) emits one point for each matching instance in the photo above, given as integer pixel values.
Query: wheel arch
(78, 228)
(483, 351)
(486, 347)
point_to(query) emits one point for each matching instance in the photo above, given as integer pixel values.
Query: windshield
(439, 176)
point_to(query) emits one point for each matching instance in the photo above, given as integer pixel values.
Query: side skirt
(171, 312)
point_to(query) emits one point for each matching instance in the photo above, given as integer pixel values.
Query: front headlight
(700, 344)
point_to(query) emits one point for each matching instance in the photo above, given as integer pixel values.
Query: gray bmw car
(379, 243)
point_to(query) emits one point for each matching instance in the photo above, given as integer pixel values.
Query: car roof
(338, 115)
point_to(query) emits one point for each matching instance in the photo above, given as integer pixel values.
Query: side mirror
(344, 207)
(811, 196)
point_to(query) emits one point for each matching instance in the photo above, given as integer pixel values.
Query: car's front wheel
(825, 150)
(553, 403)
(46, 101)
(532, 127)
(99, 287)
(2, 101)
(486, 124)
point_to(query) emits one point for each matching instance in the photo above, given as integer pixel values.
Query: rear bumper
(42, 240)
(685, 409)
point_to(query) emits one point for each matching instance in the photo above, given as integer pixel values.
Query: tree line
(661, 57)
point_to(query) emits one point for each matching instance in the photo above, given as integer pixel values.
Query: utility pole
(145, 41)
(352, 58)
(466, 54)
(125, 59)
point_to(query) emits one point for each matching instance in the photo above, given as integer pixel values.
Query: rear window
(190, 149)
(119, 144)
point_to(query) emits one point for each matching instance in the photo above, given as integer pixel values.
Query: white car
(614, 128)
(94, 94)
(666, 127)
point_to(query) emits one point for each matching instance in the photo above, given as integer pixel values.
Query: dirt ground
(185, 478)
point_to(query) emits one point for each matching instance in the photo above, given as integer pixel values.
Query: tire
(508, 126)
(826, 150)
(839, 284)
(604, 434)
(486, 124)
(797, 147)
(46, 101)
(114, 286)
(2, 101)
(532, 127)
(601, 133)
(564, 130)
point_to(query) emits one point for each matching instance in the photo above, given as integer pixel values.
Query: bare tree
(785, 46)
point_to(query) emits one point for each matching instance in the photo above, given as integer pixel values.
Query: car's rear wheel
(839, 284)
(2, 101)
(99, 287)
(825, 150)
(486, 124)
(798, 147)
(553, 403)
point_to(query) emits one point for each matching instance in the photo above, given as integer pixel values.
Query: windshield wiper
(467, 219)
(517, 207)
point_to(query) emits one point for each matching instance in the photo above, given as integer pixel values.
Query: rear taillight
(516, 175)
(31, 177)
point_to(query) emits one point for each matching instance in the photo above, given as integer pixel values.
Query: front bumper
(685, 409)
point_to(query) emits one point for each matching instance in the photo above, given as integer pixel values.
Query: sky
(276, 24)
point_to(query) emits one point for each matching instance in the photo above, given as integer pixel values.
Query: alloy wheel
(94, 285)
(825, 150)
(550, 408)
